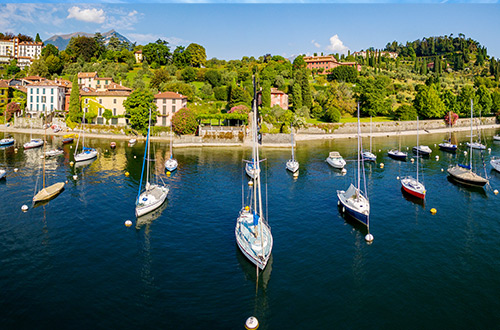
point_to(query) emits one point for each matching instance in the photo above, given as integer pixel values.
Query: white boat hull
(251, 171)
(495, 163)
(292, 166)
(336, 162)
(355, 204)
(476, 145)
(256, 249)
(151, 199)
(3, 173)
(34, 143)
(86, 155)
(171, 164)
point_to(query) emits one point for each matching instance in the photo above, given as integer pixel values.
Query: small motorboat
(496, 137)
(53, 153)
(476, 145)
(112, 145)
(34, 143)
(335, 160)
(67, 140)
(3, 173)
(368, 156)
(397, 154)
(496, 164)
(7, 142)
(132, 141)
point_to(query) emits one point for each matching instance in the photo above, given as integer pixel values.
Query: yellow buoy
(168, 173)
(15, 170)
(71, 163)
(127, 173)
(128, 223)
(433, 211)
(247, 208)
(381, 165)
(251, 323)
(495, 191)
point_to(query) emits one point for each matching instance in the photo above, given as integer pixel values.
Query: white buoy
(128, 223)
(412, 160)
(379, 150)
(15, 149)
(442, 170)
(407, 148)
(75, 177)
(135, 156)
(381, 165)
(397, 178)
(295, 174)
(489, 150)
(24, 208)
(465, 153)
(66, 182)
(41, 156)
(250, 183)
(71, 147)
(251, 323)
(437, 157)
(343, 171)
(15, 170)
(369, 238)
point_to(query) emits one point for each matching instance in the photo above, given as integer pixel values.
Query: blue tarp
(255, 219)
(465, 166)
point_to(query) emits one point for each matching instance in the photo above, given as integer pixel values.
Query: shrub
(184, 122)
(332, 114)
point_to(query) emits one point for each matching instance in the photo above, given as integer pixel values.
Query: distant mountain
(62, 41)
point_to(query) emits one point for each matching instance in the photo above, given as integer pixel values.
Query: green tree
(184, 122)
(266, 94)
(137, 107)
(213, 77)
(343, 73)
(12, 68)
(179, 57)
(107, 114)
(39, 68)
(100, 46)
(427, 102)
(75, 111)
(299, 63)
(54, 64)
(237, 95)
(157, 53)
(296, 95)
(84, 47)
(373, 95)
(332, 114)
(463, 100)
(159, 76)
(405, 112)
(37, 38)
(301, 76)
(196, 55)
(484, 101)
(188, 74)
(50, 50)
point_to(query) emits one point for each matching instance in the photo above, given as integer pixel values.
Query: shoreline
(298, 137)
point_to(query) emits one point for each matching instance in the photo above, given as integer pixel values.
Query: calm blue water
(73, 264)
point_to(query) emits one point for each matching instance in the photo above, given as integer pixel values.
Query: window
(51, 107)
(51, 99)
(100, 112)
(31, 98)
(164, 101)
(114, 111)
(31, 90)
(52, 91)
(43, 90)
(164, 109)
(114, 101)
(37, 99)
(38, 90)
(31, 107)
(173, 109)
(100, 101)
(37, 107)
(85, 110)
(43, 99)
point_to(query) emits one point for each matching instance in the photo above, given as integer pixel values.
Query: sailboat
(7, 142)
(86, 153)
(447, 145)
(397, 153)
(368, 155)
(477, 145)
(153, 195)
(352, 201)
(464, 173)
(412, 185)
(49, 192)
(253, 234)
(171, 163)
(292, 165)
(34, 143)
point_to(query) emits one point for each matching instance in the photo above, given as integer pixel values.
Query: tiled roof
(276, 91)
(4, 84)
(49, 83)
(117, 87)
(34, 78)
(87, 74)
(169, 95)
(105, 93)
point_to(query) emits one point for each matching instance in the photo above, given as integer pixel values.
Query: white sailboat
(49, 192)
(171, 163)
(33, 143)
(397, 153)
(353, 201)
(464, 173)
(369, 155)
(447, 145)
(153, 195)
(86, 153)
(253, 234)
(477, 145)
(292, 165)
(411, 185)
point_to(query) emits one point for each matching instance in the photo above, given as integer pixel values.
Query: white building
(23, 51)
(45, 96)
(87, 79)
(168, 103)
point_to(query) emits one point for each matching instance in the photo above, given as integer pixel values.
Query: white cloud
(337, 46)
(317, 45)
(87, 15)
(119, 19)
(14, 17)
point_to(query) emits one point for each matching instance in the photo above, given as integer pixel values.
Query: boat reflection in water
(410, 198)
(46, 201)
(355, 223)
(148, 218)
(250, 272)
(84, 163)
(468, 188)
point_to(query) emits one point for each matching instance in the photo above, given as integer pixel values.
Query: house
(87, 78)
(326, 63)
(387, 54)
(112, 98)
(168, 103)
(138, 56)
(45, 96)
(279, 98)
(22, 51)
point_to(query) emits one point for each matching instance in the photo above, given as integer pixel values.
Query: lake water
(72, 263)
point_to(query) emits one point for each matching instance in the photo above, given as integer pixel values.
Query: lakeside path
(298, 137)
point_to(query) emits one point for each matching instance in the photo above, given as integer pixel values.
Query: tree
(405, 112)
(39, 68)
(84, 47)
(54, 64)
(484, 101)
(159, 76)
(50, 50)
(296, 95)
(213, 77)
(301, 76)
(137, 107)
(299, 63)
(11, 109)
(157, 53)
(12, 68)
(343, 73)
(107, 114)
(266, 94)
(196, 55)
(427, 102)
(188, 74)
(184, 122)
(463, 100)
(75, 112)
(37, 38)
(237, 95)
(100, 46)
(179, 57)
(332, 114)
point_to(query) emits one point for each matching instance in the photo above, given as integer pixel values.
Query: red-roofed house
(279, 98)
(45, 96)
(110, 99)
(87, 78)
(326, 63)
(168, 103)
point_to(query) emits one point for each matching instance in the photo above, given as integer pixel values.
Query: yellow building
(97, 102)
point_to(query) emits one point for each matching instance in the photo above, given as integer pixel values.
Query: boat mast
(359, 174)
(44, 138)
(370, 133)
(148, 145)
(171, 139)
(470, 146)
(293, 155)
(418, 146)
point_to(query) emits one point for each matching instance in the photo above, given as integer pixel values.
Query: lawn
(351, 120)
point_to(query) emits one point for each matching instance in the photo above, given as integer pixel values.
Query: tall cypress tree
(37, 38)
(75, 113)
(305, 90)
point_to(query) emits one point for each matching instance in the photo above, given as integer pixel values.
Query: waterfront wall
(351, 128)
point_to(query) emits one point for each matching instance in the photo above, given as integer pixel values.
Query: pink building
(168, 103)
(327, 63)
(279, 98)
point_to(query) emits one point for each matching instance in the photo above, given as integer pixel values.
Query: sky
(232, 30)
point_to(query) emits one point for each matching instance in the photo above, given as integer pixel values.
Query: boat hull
(251, 171)
(6, 142)
(3, 173)
(48, 192)
(466, 177)
(495, 163)
(448, 147)
(358, 210)
(67, 140)
(422, 151)
(154, 200)
(413, 187)
(292, 166)
(171, 165)
(83, 156)
(476, 145)
(336, 163)
(368, 156)
(33, 144)
(397, 155)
